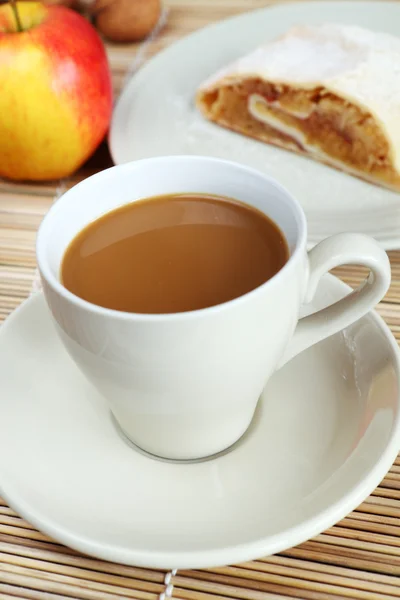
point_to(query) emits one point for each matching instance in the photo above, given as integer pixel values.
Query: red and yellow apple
(55, 91)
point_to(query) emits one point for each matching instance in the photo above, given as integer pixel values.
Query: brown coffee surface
(173, 253)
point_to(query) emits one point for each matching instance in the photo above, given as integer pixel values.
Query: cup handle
(341, 249)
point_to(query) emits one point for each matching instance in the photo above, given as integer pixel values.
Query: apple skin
(55, 92)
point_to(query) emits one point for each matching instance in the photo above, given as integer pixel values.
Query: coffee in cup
(173, 253)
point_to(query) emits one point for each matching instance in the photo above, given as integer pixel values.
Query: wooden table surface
(358, 558)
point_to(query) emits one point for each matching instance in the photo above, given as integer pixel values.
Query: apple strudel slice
(331, 92)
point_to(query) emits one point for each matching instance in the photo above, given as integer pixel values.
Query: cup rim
(56, 285)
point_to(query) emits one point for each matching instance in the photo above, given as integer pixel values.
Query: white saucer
(326, 432)
(155, 116)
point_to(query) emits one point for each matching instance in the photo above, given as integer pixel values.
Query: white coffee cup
(186, 385)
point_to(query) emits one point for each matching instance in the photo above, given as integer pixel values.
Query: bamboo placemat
(358, 558)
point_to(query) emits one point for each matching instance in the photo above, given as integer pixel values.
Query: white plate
(325, 434)
(156, 116)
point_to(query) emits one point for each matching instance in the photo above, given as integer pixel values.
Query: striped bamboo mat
(358, 558)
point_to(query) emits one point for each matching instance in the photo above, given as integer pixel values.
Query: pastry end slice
(331, 92)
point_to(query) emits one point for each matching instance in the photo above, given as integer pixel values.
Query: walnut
(125, 20)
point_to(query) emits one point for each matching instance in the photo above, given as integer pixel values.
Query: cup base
(124, 436)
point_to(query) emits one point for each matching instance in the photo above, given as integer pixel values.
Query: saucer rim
(246, 551)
